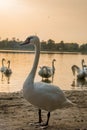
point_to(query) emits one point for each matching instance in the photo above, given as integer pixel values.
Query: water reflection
(81, 83)
(5, 78)
(46, 80)
(21, 64)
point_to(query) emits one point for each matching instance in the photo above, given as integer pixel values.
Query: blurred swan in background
(46, 71)
(81, 73)
(43, 95)
(5, 78)
(84, 66)
(8, 71)
(81, 83)
(3, 68)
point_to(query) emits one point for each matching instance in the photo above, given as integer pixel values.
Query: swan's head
(83, 61)
(3, 59)
(8, 61)
(31, 39)
(73, 69)
(53, 60)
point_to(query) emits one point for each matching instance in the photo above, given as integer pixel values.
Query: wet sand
(17, 114)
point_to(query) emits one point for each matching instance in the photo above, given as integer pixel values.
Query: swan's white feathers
(44, 96)
(81, 73)
(46, 71)
(3, 69)
(48, 97)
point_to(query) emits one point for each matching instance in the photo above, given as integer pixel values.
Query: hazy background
(56, 19)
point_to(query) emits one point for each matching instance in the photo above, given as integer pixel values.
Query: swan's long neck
(8, 65)
(53, 67)
(53, 64)
(35, 64)
(83, 64)
(75, 68)
(3, 63)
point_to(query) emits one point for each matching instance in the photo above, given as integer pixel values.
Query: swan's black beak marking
(27, 41)
(24, 43)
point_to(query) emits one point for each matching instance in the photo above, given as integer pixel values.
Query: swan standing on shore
(42, 95)
(3, 68)
(46, 71)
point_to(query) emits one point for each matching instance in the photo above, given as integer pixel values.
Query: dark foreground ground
(17, 114)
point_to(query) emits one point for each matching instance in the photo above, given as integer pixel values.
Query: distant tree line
(49, 45)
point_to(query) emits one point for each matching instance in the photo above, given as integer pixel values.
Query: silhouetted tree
(49, 45)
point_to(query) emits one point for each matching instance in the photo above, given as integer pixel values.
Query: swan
(79, 83)
(84, 67)
(40, 94)
(81, 73)
(47, 72)
(3, 68)
(8, 71)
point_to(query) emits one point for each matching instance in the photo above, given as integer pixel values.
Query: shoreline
(42, 52)
(17, 114)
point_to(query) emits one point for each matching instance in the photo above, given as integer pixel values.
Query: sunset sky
(56, 19)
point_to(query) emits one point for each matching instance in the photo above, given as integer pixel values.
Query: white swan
(3, 68)
(81, 73)
(44, 96)
(84, 67)
(46, 71)
(8, 71)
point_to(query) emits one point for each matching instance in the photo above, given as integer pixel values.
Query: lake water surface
(21, 64)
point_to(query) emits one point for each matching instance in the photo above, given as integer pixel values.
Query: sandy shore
(17, 114)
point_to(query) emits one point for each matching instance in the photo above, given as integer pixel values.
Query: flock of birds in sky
(44, 96)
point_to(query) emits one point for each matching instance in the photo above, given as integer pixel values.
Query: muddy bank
(17, 114)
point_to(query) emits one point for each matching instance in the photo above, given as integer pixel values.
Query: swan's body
(81, 73)
(79, 82)
(46, 71)
(3, 68)
(44, 96)
(8, 71)
(84, 67)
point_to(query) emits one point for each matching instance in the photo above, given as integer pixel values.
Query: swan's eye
(29, 38)
(27, 41)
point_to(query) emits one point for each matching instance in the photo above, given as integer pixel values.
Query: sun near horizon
(56, 19)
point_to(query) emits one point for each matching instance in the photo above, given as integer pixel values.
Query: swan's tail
(68, 103)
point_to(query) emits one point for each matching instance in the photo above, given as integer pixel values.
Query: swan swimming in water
(42, 95)
(46, 71)
(8, 71)
(81, 73)
(3, 68)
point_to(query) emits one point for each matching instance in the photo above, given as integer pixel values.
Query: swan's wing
(49, 70)
(75, 68)
(85, 68)
(3, 69)
(50, 95)
(45, 71)
(42, 71)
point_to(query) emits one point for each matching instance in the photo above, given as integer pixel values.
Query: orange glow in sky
(56, 19)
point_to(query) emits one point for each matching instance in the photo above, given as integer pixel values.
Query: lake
(21, 64)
